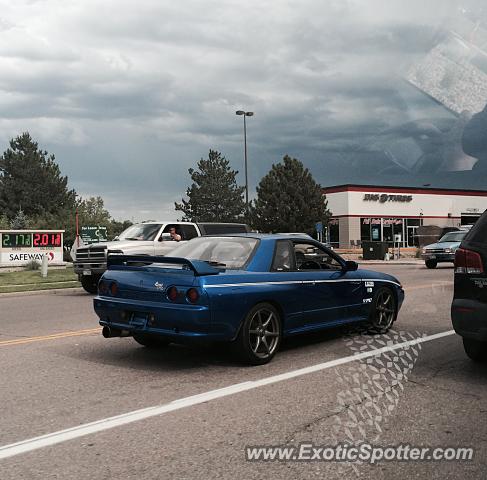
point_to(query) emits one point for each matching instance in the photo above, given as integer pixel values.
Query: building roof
(349, 187)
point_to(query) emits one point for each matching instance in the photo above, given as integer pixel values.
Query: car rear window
(228, 252)
(478, 233)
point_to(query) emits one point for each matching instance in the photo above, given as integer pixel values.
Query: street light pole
(245, 114)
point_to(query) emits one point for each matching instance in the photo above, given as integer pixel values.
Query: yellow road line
(54, 336)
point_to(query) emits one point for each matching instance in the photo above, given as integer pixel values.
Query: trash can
(374, 250)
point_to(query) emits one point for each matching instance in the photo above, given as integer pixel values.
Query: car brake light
(172, 294)
(102, 287)
(113, 289)
(192, 295)
(467, 261)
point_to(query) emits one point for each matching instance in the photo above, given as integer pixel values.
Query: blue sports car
(249, 289)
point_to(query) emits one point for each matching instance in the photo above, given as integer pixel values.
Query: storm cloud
(129, 95)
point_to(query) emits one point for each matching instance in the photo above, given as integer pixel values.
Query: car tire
(383, 311)
(260, 335)
(150, 341)
(431, 263)
(475, 349)
(90, 283)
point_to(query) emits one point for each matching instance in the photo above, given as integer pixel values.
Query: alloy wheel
(385, 310)
(264, 331)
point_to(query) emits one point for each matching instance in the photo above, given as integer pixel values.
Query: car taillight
(467, 261)
(172, 294)
(102, 287)
(113, 289)
(192, 295)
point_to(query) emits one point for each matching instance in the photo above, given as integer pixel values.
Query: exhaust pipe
(108, 332)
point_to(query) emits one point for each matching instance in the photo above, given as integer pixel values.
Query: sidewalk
(401, 261)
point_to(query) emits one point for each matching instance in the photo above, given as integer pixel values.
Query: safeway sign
(21, 258)
(92, 234)
(20, 247)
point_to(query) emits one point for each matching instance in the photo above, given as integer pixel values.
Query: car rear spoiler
(115, 261)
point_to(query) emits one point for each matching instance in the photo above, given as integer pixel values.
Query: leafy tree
(30, 177)
(214, 194)
(20, 221)
(116, 227)
(92, 211)
(288, 200)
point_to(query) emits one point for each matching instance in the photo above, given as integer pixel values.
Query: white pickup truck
(148, 238)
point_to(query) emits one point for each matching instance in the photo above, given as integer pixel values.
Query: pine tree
(289, 200)
(20, 221)
(30, 177)
(214, 195)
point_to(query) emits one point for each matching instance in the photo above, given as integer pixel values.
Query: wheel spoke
(269, 318)
(257, 345)
(271, 334)
(253, 332)
(266, 345)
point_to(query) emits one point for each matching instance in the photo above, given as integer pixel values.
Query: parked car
(148, 238)
(251, 290)
(444, 250)
(469, 307)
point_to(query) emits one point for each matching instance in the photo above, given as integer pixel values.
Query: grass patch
(27, 280)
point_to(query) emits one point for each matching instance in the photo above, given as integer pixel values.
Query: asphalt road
(58, 373)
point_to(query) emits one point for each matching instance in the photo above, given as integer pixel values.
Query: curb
(390, 262)
(52, 291)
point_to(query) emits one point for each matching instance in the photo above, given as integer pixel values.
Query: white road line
(61, 436)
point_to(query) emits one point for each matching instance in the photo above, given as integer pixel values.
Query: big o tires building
(368, 213)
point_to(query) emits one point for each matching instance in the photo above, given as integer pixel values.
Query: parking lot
(58, 372)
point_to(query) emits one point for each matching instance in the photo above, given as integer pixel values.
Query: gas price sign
(22, 246)
(16, 240)
(47, 240)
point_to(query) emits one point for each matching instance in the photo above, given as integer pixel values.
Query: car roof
(268, 236)
(157, 222)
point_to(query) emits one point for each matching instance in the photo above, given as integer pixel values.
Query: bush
(32, 265)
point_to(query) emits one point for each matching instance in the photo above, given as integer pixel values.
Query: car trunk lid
(149, 278)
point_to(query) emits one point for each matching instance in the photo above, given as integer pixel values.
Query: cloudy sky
(129, 95)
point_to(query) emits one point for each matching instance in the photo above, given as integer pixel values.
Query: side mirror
(115, 238)
(351, 266)
(165, 237)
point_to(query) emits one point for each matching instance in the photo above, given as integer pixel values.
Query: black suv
(469, 307)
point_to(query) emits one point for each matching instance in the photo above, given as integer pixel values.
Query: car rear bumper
(439, 257)
(176, 321)
(469, 318)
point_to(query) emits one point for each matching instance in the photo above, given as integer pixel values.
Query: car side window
(283, 257)
(311, 257)
(188, 232)
(178, 228)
